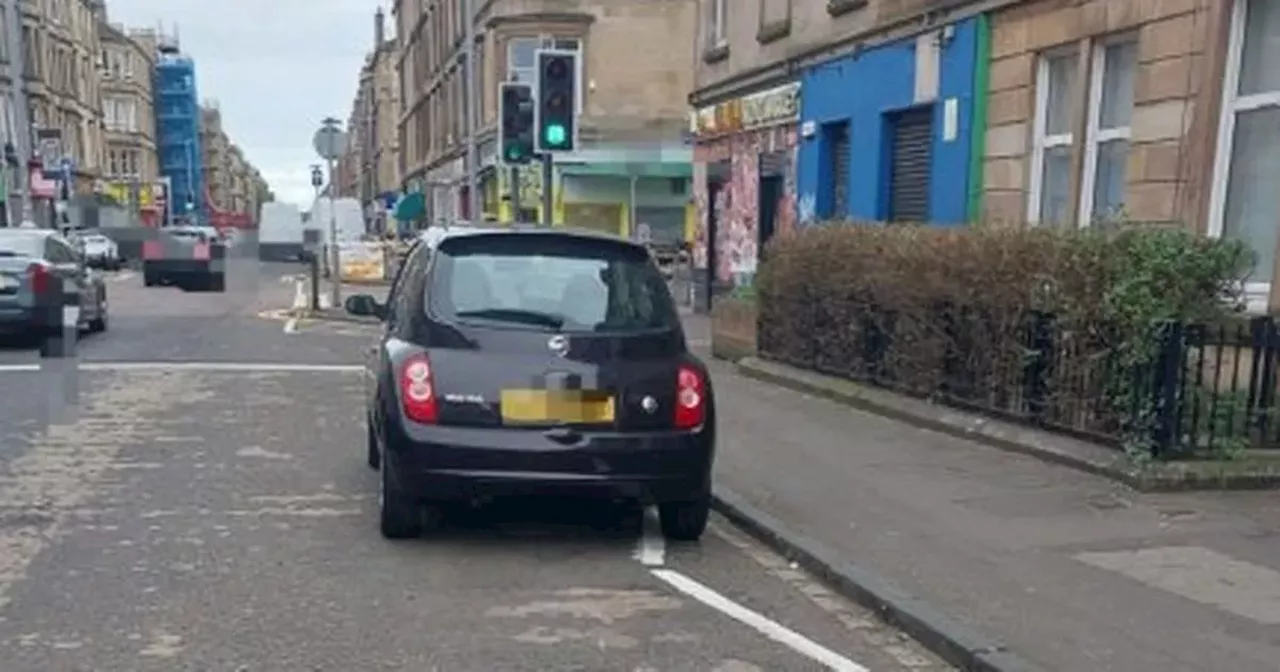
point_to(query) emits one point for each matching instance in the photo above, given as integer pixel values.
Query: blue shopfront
(886, 133)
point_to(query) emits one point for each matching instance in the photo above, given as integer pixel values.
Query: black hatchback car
(535, 361)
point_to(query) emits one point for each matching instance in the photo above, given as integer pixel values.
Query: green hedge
(961, 311)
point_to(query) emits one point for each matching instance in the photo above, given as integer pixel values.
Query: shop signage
(150, 196)
(766, 108)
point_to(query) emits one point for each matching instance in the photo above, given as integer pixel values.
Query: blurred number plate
(7, 282)
(571, 406)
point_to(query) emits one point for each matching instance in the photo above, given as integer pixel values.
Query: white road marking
(758, 622)
(299, 295)
(1202, 575)
(222, 367)
(651, 548)
(19, 368)
(291, 326)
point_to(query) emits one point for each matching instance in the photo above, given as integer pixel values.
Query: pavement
(1069, 571)
(190, 493)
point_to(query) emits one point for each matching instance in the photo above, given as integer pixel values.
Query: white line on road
(18, 368)
(222, 367)
(651, 549)
(758, 622)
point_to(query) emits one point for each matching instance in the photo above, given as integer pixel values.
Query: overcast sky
(276, 67)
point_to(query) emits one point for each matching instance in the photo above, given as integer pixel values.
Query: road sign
(329, 142)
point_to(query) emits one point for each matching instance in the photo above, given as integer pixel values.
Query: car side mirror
(363, 305)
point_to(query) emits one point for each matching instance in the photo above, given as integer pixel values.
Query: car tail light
(152, 249)
(417, 390)
(201, 251)
(40, 277)
(691, 398)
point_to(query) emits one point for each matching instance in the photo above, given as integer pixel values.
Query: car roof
(27, 233)
(449, 233)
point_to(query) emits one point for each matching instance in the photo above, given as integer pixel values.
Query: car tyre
(684, 521)
(399, 515)
(150, 279)
(374, 458)
(216, 283)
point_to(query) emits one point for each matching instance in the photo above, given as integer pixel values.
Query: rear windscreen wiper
(541, 319)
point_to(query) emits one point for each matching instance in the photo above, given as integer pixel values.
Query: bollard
(315, 282)
(61, 322)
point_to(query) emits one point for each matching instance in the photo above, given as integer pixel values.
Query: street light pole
(473, 154)
(22, 108)
(335, 270)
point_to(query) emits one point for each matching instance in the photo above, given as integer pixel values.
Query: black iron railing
(1192, 389)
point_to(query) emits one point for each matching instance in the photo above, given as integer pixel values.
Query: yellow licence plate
(571, 406)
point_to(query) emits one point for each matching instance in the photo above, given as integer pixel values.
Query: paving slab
(1070, 571)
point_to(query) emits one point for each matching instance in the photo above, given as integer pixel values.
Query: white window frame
(717, 23)
(545, 42)
(1041, 141)
(1256, 293)
(1094, 135)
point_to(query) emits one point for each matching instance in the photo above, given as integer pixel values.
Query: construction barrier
(362, 262)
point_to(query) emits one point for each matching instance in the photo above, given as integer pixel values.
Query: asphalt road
(190, 494)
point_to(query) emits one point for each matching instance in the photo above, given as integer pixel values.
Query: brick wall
(1173, 117)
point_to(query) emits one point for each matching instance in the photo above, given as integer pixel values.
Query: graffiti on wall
(807, 209)
(736, 205)
(701, 215)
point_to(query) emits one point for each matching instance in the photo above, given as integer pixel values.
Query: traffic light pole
(515, 194)
(547, 164)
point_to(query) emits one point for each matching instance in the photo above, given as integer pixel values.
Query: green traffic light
(556, 135)
(514, 153)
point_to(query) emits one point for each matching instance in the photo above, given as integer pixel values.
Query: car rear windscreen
(20, 244)
(551, 282)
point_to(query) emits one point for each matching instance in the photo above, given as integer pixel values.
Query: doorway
(769, 197)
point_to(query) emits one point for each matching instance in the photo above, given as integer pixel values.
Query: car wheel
(216, 283)
(374, 457)
(150, 279)
(684, 521)
(399, 516)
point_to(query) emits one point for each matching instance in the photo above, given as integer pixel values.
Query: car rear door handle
(563, 435)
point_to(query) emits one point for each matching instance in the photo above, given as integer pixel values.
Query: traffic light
(557, 101)
(515, 108)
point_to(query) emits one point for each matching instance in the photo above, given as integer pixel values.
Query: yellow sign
(122, 193)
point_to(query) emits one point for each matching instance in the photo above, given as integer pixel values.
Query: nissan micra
(529, 361)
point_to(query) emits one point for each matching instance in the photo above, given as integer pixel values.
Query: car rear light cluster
(40, 278)
(691, 398)
(417, 390)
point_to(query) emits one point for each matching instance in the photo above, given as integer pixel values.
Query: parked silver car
(36, 266)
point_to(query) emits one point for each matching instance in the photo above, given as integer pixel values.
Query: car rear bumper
(458, 464)
(181, 267)
(21, 320)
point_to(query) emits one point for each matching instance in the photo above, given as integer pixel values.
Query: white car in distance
(100, 251)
